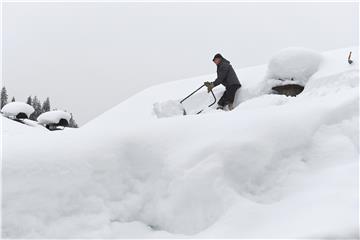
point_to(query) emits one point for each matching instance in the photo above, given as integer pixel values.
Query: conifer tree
(46, 105)
(72, 122)
(4, 97)
(37, 107)
(29, 100)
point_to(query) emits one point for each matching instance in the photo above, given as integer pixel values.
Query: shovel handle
(212, 93)
(192, 93)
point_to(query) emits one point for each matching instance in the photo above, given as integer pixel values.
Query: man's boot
(231, 107)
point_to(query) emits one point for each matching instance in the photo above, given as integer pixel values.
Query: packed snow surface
(274, 167)
(53, 117)
(14, 108)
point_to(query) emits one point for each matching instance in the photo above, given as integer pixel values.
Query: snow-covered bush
(293, 65)
(14, 108)
(53, 117)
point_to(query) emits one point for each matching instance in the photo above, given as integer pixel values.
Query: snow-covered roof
(53, 117)
(14, 108)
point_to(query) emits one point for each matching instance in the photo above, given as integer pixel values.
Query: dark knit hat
(218, 55)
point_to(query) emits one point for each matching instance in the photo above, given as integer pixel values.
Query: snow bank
(14, 108)
(274, 167)
(53, 117)
(168, 109)
(292, 66)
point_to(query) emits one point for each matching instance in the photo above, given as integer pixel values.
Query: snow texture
(168, 109)
(53, 117)
(274, 167)
(14, 108)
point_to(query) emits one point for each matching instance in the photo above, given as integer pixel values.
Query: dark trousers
(229, 95)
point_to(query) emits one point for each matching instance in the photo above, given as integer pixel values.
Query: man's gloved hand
(209, 86)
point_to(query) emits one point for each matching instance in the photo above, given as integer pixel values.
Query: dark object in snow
(57, 126)
(212, 93)
(21, 115)
(288, 90)
(349, 59)
(154, 227)
(291, 79)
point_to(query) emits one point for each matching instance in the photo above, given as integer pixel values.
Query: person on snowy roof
(227, 77)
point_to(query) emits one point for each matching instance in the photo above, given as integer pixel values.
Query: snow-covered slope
(275, 166)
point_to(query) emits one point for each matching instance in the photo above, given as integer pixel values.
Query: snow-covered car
(52, 120)
(17, 110)
(290, 69)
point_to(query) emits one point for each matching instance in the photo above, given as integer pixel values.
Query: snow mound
(293, 66)
(14, 108)
(53, 117)
(274, 167)
(168, 109)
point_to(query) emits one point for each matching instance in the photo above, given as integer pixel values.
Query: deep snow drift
(275, 166)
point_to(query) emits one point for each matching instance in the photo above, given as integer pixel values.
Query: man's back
(226, 74)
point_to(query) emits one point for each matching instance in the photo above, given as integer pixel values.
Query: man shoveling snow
(227, 77)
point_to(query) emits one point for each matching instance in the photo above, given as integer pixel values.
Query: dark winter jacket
(226, 74)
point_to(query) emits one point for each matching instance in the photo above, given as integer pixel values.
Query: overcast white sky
(88, 57)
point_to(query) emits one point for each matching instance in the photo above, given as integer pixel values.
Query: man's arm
(223, 71)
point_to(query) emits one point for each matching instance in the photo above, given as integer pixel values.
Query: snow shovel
(212, 93)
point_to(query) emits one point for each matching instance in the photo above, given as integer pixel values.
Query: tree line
(36, 104)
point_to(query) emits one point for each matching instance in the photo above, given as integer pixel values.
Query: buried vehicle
(54, 120)
(288, 89)
(290, 69)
